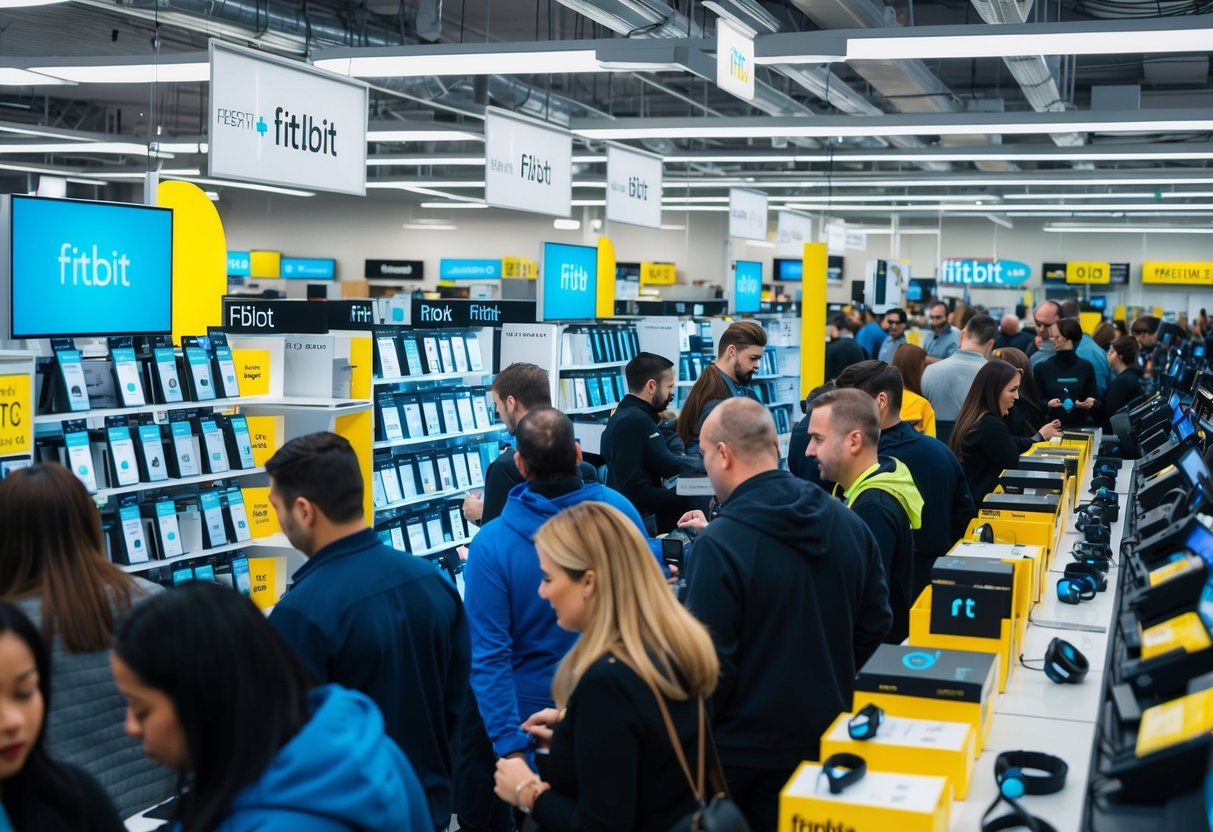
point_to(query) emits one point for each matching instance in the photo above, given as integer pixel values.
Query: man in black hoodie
(791, 586)
(947, 505)
(637, 456)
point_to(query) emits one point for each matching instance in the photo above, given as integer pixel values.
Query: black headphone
(1078, 570)
(1092, 551)
(1017, 818)
(1014, 782)
(1076, 589)
(865, 724)
(983, 533)
(843, 770)
(1064, 664)
(1097, 532)
(1101, 481)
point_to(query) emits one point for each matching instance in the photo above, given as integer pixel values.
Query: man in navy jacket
(516, 642)
(366, 616)
(791, 586)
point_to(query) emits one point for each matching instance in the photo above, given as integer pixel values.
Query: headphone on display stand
(1011, 772)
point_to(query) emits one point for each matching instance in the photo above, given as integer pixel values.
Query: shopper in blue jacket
(215, 694)
(516, 642)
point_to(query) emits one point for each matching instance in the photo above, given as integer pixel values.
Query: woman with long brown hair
(982, 440)
(1026, 414)
(53, 566)
(612, 763)
(916, 411)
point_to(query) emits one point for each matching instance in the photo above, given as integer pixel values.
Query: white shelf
(438, 437)
(581, 410)
(104, 494)
(427, 498)
(606, 365)
(306, 403)
(431, 377)
(278, 540)
(444, 547)
(53, 418)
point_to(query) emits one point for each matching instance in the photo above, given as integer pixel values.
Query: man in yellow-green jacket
(844, 432)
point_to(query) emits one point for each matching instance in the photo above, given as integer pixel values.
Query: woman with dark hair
(1026, 415)
(215, 694)
(53, 566)
(1126, 386)
(916, 411)
(38, 794)
(1104, 335)
(982, 439)
(1066, 382)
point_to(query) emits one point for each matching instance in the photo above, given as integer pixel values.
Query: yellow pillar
(199, 258)
(606, 278)
(813, 317)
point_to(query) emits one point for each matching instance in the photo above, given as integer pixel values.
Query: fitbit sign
(984, 272)
(528, 165)
(285, 123)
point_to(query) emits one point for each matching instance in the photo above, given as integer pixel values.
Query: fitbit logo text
(747, 284)
(967, 604)
(534, 169)
(574, 278)
(95, 270)
(738, 65)
(303, 133)
(800, 824)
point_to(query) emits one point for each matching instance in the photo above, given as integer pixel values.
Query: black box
(970, 596)
(1042, 463)
(1037, 503)
(902, 670)
(1034, 480)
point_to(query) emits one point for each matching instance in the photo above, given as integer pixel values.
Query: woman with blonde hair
(642, 662)
(916, 411)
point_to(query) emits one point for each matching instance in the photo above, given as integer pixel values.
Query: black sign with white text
(438, 314)
(257, 316)
(395, 269)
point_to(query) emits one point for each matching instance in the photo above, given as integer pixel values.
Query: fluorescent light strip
(452, 206)
(1012, 181)
(1064, 228)
(1051, 154)
(881, 198)
(99, 148)
(417, 226)
(503, 62)
(21, 4)
(117, 175)
(950, 207)
(135, 73)
(423, 136)
(1122, 195)
(12, 76)
(22, 130)
(245, 186)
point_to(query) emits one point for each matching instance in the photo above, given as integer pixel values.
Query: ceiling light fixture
(566, 225)
(1093, 228)
(420, 133)
(12, 76)
(454, 206)
(431, 225)
(162, 69)
(21, 4)
(97, 148)
(116, 175)
(246, 186)
(821, 127)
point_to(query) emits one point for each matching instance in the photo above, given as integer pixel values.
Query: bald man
(1011, 335)
(791, 586)
(1046, 317)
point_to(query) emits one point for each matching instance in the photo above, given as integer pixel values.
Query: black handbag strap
(697, 783)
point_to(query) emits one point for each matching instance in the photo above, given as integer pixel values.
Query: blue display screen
(90, 268)
(239, 263)
(787, 269)
(303, 268)
(569, 283)
(747, 286)
(1193, 465)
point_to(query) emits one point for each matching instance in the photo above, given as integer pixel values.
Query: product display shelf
(102, 495)
(434, 497)
(277, 540)
(100, 414)
(444, 547)
(414, 441)
(307, 403)
(605, 365)
(457, 376)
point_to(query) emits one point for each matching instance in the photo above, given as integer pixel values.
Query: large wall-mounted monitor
(87, 268)
(568, 283)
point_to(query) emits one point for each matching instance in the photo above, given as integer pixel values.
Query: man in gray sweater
(946, 383)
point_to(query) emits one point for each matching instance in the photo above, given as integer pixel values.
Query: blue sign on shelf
(747, 286)
(569, 283)
(984, 272)
(239, 264)
(316, 268)
(469, 269)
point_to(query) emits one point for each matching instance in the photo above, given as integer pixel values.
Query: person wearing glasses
(944, 338)
(895, 320)
(1046, 317)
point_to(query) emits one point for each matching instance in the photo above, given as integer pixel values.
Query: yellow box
(881, 800)
(1017, 527)
(1174, 722)
(932, 683)
(1025, 559)
(942, 749)
(1006, 646)
(1184, 632)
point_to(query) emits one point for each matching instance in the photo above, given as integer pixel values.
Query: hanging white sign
(734, 60)
(279, 122)
(836, 237)
(747, 214)
(633, 187)
(792, 232)
(528, 165)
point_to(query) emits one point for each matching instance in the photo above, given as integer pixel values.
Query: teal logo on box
(469, 269)
(984, 272)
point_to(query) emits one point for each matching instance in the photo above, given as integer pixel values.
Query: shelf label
(633, 187)
(264, 572)
(263, 434)
(16, 417)
(263, 520)
(528, 164)
(253, 371)
(351, 314)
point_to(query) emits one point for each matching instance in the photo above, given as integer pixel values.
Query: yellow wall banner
(1176, 271)
(1088, 273)
(658, 274)
(265, 263)
(606, 278)
(199, 258)
(16, 416)
(813, 316)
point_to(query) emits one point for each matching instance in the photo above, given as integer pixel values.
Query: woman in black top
(1065, 382)
(1126, 386)
(612, 766)
(38, 794)
(982, 440)
(1026, 415)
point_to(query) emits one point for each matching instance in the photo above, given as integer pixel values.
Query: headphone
(1077, 589)
(983, 533)
(1014, 782)
(865, 724)
(1079, 570)
(1092, 551)
(1097, 533)
(1064, 664)
(843, 770)
(1102, 481)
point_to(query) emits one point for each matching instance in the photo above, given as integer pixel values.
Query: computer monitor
(1192, 464)
(568, 283)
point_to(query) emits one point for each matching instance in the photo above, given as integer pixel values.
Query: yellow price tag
(253, 371)
(263, 432)
(1088, 272)
(1185, 272)
(263, 573)
(658, 274)
(263, 520)
(16, 417)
